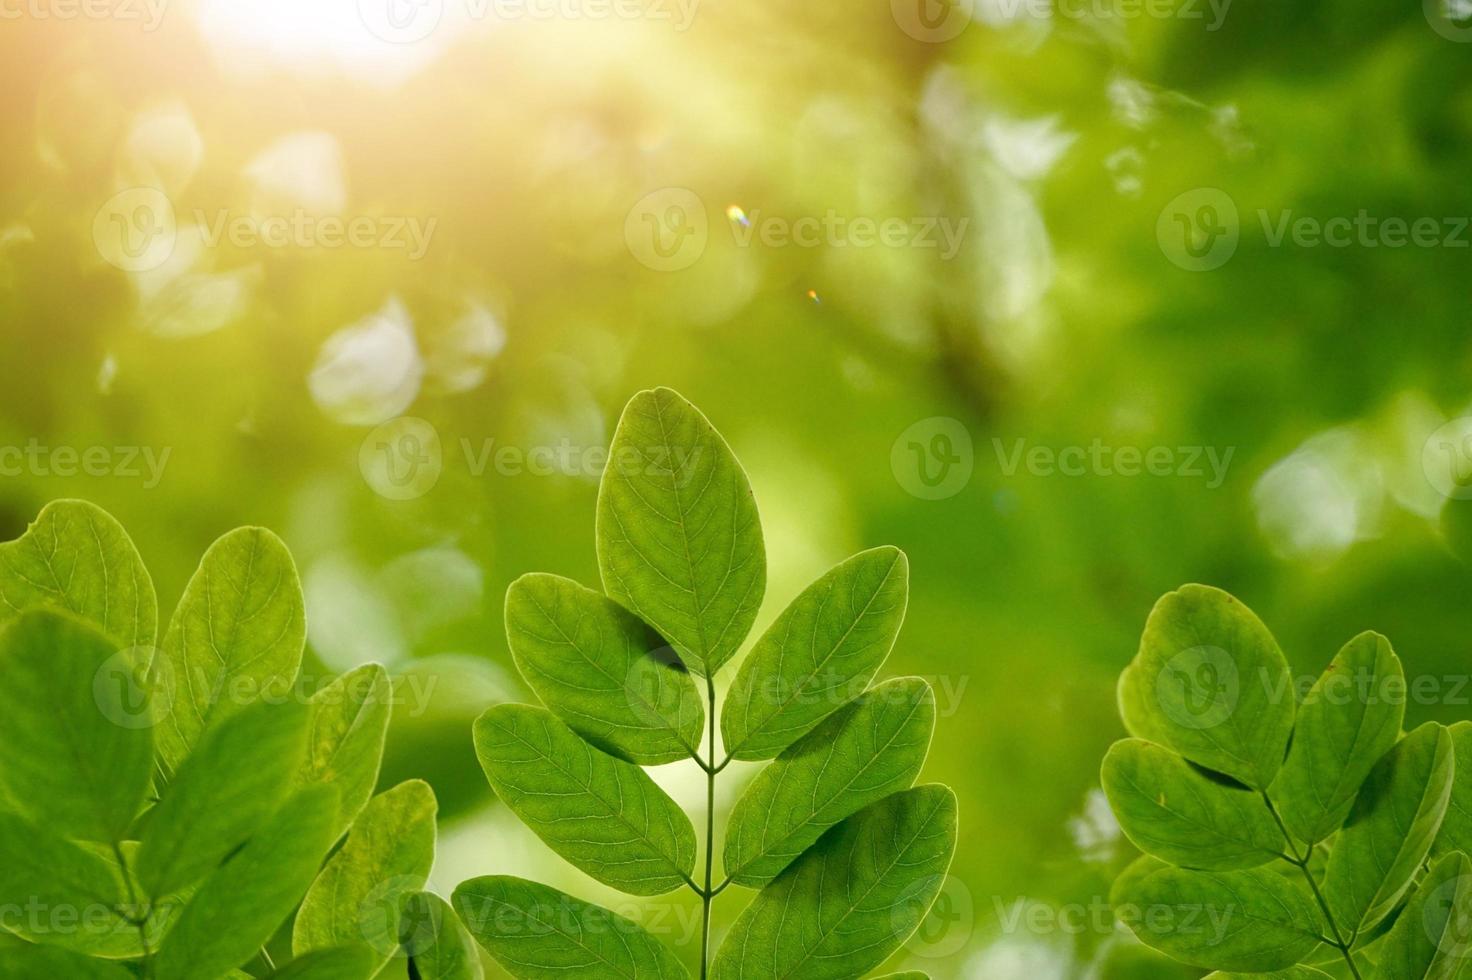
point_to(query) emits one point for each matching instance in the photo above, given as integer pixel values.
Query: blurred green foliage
(530, 320)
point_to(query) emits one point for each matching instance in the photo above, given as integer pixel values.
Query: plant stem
(140, 922)
(710, 828)
(1302, 864)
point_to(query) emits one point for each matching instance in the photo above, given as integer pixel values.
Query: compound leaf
(818, 655)
(1292, 973)
(1350, 718)
(1214, 684)
(539, 933)
(388, 854)
(233, 781)
(1390, 829)
(1430, 936)
(345, 738)
(1253, 921)
(1171, 810)
(679, 540)
(76, 557)
(434, 940)
(853, 898)
(601, 813)
(78, 757)
(600, 669)
(236, 636)
(871, 748)
(240, 905)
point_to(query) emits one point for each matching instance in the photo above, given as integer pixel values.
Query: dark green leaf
(601, 813)
(387, 855)
(868, 750)
(1429, 940)
(1351, 718)
(77, 759)
(57, 892)
(50, 963)
(679, 541)
(1456, 828)
(246, 899)
(1390, 829)
(1253, 921)
(76, 557)
(611, 678)
(818, 655)
(1292, 973)
(231, 783)
(1169, 809)
(1213, 685)
(539, 933)
(236, 637)
(853, 899)
(345, 742)
(435, 941)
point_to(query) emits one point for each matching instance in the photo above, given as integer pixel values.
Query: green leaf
(539, 933)
(601, 813)
(907, 975)
(1171, 810)
(31, 962)
(76, 759)
(1390, 829)
(679, 541)
(1351, 717)
(610, 677)
(434, 940)
(345, 740)
(868, 750)
(1456, 828)
(1430, 936)
(231, 783)
(1253, 921)
(1216, 687)
(818, 655)
(240, 905)
(387, 855)
(57, 892)
(76, 557)
(342, 963)
(853, 899)
(1136, 705)
(236, 637)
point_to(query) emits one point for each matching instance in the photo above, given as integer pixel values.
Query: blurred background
(1073, 300)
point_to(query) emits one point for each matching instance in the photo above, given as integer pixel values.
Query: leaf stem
(139, 921)
(710, 828)
(1302, 864)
